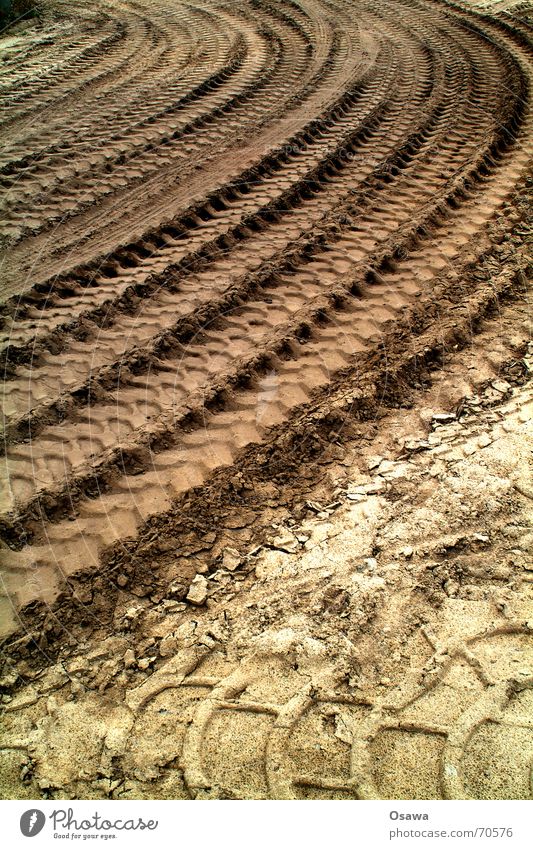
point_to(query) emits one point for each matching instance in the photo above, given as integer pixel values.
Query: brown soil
(265, 524)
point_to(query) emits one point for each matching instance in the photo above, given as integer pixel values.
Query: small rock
(53, 680)
(198, 591)
(483, 538)
(443, 417)
(220, 576)
(343, 730)
(9, 680)
(374, 462)
(122, 580)
(76, 688)
(145, 662)
(407, 552)
(174, 606)
(286, 542)
(78, 664)
(168, 646)
(52, 705)
(414, 445)
(315, 506)
(186, 632)
(231, 559)
(386, 466)
(84, 595)
(175, 589)
(129, 658)
(367, 488)
(451, 588)
(302, 538)
(484, 440)
(98, 654)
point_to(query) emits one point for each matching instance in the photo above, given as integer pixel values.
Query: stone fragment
(231, 559)
(168, 646)
(197, 591)
(129, 658)
(145, 662)
(386, 466)
(501, 385)
(286, 541)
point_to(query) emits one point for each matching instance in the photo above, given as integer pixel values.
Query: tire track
(152, 364)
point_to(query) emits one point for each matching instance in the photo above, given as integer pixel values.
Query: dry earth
(265, 520)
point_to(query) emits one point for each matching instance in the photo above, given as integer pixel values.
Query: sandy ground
(381, 647)
(265, 517)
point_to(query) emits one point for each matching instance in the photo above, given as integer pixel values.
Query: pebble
(416, 445)
(79, 664)
(286, 542)
(146, 662)
(407, 551)
(368, 488)
(168, 646)
(231, 559)
(480, 538)
(198, 590)
(129, 658)
(501, 385)
(76, 688)
(51, 705)
(9, 679)
(174, 606)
